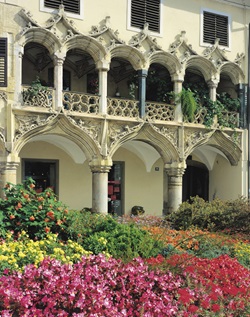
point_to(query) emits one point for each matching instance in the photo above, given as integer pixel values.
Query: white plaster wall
(141, 188)
(75, 180)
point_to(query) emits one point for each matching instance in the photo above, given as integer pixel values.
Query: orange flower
(47, 229)
(32, 218)
(12, 217)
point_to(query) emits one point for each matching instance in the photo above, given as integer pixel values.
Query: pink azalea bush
(100, 287)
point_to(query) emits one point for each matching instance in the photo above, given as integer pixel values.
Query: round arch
(131, 54)
(233, 71)
(88, 44)
(43, 37)
(205, 66)
(167, 60)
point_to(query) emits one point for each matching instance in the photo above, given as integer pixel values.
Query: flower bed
(97, 287)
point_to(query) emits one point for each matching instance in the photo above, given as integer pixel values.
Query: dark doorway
(43, 172)
(116, 189)
(195, 181)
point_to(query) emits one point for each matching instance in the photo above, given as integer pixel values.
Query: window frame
(69, 14)
(132, 28)
(5, 57)
(202, 43)
(33, 160)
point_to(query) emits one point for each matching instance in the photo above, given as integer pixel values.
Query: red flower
(215, 308)
(193, 308)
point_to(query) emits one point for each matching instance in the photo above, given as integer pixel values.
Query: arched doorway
(195, 180)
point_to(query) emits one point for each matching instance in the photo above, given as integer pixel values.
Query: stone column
(177, 89)
(142, 75)
(174, 172)
(212, 89)
(18, 51)
(100, 186)
(103, 85)
(8, 173)
(58, 79)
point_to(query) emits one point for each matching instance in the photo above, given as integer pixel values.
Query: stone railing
(80, 102)
(40, 98)
(231, 119)
(200, 115)
(160, 111)
(122, 107)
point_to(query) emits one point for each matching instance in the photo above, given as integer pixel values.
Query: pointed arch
(61, 126)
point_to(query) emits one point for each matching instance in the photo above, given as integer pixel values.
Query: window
(3, 62)
(43, 172)
(215, 26)
(73, 8)
(146, 11)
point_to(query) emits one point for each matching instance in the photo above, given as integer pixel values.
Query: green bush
(103, 234)
(23, 209)
(215, 215)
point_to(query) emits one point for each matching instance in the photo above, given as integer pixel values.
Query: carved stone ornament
(3, 95)
(117, 132)
(27, 123)
(181, 49)
(170, 133)
(144, 40)
(105, 35)
(51, 24)
(92, 129)
(193, 137)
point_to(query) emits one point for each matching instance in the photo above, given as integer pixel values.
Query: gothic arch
(62, 126)
(155, 137)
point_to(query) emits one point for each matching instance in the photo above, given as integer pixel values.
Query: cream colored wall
(141, 188)
(75, 180)
(225, 180)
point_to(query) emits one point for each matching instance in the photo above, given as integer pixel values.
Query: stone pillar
(142, 75)
(177, 89)
(8, 173)
(58, 79)
(100, 185)
(212, 89)
(174, 172)
(103, 86)
(19, 50)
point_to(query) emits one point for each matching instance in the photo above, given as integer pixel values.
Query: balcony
(81, 104)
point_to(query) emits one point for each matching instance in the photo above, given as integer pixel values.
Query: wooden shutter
(146, 11)
(215, 26)
(72, 6)
(3, 62)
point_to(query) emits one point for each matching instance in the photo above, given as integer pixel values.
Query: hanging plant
(188, 103)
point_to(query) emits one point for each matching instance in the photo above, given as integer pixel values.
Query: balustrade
(123, 107)
(38, 98)
(80, 102)
(160, 111)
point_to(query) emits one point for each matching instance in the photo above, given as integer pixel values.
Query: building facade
(116, 104)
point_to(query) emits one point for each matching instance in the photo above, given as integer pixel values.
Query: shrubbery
(103, 234)
(215, 215)
(23, 209)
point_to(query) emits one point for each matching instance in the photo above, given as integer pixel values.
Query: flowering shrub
(94, 287)
(35, 213)
(16, 254)
(97, 286)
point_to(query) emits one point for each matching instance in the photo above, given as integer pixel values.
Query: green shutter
(3, 62)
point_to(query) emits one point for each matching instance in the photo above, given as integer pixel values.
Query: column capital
(175, 169)
(59, 58)
(100, 165)
(103, 66)
(212, 83)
